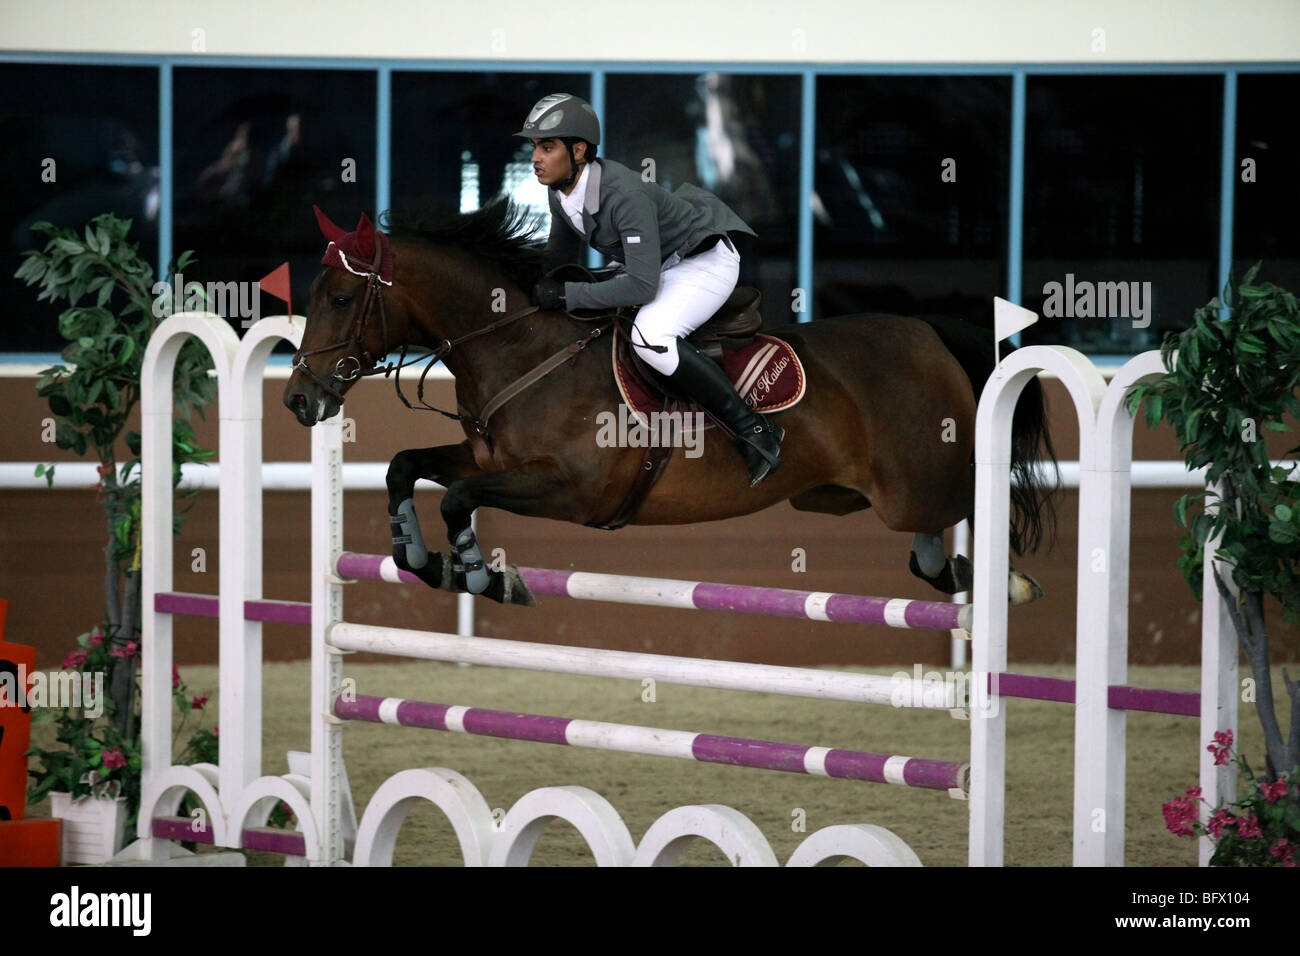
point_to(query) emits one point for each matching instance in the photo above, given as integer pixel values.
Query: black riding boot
(700, 378)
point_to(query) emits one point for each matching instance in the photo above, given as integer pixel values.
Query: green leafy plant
(95, 758)
(1231, 381)
(112, 312)
(1261, 828)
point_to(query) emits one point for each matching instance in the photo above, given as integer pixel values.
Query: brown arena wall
(51, 560)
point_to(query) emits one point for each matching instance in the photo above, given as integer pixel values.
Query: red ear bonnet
(355, 251)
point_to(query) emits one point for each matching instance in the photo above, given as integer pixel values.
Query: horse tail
(1033, 510)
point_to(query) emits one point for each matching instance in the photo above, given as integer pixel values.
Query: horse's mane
(498, 233)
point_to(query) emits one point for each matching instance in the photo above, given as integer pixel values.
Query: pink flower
(216, 731)
(176, 677)
(96, 638)
(1273, 792)
(1218, 821)
(1248, 827)
(1220, 747)
(1283, 851)
(113, 759)
(125, 652)
(77, 658)
(198, 702)
(1180, 814)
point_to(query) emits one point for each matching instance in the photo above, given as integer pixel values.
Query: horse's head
(348, 331)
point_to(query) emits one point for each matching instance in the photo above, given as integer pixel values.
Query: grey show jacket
(637, 223)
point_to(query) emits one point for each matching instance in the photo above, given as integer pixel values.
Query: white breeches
(690, 291)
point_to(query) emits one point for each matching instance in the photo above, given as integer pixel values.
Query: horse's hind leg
(1021, 587)
(929, 562)
(952, 574)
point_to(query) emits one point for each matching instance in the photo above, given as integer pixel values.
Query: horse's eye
(341, 301)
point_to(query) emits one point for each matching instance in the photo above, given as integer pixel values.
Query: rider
(679, 265)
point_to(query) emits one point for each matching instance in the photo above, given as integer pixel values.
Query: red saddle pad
(767, 375)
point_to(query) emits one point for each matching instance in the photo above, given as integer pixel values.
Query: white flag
(1009, 318)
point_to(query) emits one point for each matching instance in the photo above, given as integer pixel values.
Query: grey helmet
(559, 115)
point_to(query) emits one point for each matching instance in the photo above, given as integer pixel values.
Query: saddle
(765, 370)
(731, 327)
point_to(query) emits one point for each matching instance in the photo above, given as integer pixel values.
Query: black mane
(498, 232)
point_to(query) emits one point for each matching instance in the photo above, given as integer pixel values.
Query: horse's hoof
(435, 572)
(508, 587)
(957, 574)
(962, 571)
(1022, 589)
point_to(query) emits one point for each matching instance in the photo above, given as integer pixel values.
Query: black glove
(548, 294)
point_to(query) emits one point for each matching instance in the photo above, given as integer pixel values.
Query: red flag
(276, 283)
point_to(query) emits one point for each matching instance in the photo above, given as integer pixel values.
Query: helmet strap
(573, 164)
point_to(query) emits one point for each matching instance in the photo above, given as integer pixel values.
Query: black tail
(1033, 512)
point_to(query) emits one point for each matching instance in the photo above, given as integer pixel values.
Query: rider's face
(551, 160)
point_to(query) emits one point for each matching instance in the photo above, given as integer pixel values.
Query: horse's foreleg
(443, 464)
(537, 489)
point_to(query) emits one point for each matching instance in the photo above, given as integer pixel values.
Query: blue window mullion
(383, 139)
(165, 177)
(1016, 198)
(1227, 180)
(594, 258)
(807, 144)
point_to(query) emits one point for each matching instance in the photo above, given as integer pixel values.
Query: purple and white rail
(954, 778)
(702, 595)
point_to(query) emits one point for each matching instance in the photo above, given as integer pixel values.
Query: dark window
(1268, 208)
(99, 126)
(910, 203)
(734, 135)
(254, 150)
(453, 137)
(1121, 198)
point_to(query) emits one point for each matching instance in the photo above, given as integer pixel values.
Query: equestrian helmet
(560, 115)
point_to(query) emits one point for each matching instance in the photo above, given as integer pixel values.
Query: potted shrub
(1235, 380)
(112, 311)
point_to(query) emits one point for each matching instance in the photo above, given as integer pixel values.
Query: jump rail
(702, 596)
(238, 798)
(954, 778)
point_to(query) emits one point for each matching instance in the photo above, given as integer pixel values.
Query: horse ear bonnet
(358, 245)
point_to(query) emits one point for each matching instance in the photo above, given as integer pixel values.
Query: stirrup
(766, 428)
(767, 462)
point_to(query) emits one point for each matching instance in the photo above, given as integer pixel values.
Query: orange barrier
(17, 662)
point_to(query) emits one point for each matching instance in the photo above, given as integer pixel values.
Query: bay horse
(887, 420)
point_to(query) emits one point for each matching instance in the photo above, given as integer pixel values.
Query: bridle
(371, 364)
(367, 364)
